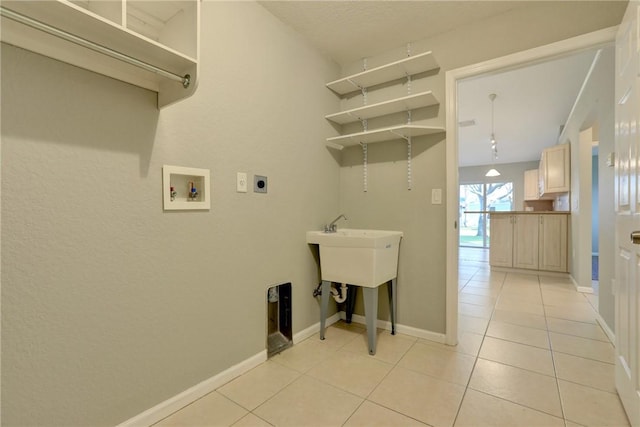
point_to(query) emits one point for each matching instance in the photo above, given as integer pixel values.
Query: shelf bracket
(364, 167)
(408, 140)
(409, 163)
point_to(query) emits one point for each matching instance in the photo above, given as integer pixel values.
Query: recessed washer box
(185, 188)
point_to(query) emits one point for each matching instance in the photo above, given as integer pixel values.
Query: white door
(627, 186)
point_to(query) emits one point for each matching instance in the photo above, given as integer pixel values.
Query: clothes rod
(7, 13)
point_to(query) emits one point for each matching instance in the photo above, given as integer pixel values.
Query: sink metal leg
(352, 292)
(324, 305)
(371, 315)
(393, 302)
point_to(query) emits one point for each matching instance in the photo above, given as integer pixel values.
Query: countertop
(526, 212)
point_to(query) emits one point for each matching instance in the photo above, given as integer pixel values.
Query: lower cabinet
(529, 241)
(552, 237)
(525, 241)
(501, 244)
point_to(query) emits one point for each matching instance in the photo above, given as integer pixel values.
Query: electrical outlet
(259, 184)
(241, 182)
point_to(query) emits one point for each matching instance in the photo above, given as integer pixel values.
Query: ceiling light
(492, 172)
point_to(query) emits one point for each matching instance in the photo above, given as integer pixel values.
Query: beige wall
(110, 305)
(594, 108)
(388, 204)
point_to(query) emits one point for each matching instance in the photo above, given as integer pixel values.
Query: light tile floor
(530, 353)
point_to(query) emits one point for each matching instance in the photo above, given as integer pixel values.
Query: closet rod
(7, 13)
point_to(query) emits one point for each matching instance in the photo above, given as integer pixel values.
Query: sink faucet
(332, 227)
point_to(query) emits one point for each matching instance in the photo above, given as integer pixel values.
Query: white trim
(538, 54)
(179, 401)
(313, 329)
(607, 330)
(401, 329)
(562, 136)
(583, 289)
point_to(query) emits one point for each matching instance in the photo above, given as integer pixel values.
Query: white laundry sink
(366, 258)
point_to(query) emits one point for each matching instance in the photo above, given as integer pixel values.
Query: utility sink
(366, 258)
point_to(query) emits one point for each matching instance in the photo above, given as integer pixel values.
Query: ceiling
(350, 30)
(531, 105)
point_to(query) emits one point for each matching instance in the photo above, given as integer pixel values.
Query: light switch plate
(436, 196)
(241, 182)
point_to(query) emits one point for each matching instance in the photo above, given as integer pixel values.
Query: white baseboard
(314, 329)
(402, 329)
(582, 289)
(179, 401)
(608, 332)
(171, 405)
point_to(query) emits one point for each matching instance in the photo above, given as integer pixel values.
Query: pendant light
(494, 144)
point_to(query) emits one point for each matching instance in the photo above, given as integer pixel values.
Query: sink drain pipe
(340, 295)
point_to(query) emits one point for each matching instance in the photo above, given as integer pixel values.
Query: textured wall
(109, 304)
(388, 204)
(594, 108)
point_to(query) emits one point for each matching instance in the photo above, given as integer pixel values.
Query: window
(476, 200)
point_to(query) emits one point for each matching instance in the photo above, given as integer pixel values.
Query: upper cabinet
(531, 184)
(361, 82)
(555, 170)
(153, 44)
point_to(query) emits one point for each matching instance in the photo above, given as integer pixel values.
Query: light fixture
(494, 144)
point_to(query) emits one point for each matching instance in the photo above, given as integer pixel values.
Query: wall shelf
(406, 103)
(395, 70)
(384, 134)
(404, 68)
(162, 34)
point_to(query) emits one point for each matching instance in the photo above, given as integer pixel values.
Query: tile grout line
(484, 335)
(553, 358)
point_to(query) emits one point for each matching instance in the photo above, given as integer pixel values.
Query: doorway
(453, 77)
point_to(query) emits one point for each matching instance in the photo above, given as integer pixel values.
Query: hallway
(530, 354)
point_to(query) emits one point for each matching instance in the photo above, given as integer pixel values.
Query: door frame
(527, 57)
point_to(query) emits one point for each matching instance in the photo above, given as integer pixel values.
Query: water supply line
(339, 295)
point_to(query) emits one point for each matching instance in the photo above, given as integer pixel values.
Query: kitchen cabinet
(555, 170)
(553, 232)
(501, 245)
(531, 185)
(529, 241)
(525, 241)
